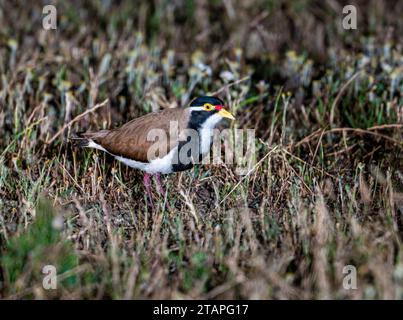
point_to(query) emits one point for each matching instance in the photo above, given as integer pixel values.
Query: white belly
(160, 165)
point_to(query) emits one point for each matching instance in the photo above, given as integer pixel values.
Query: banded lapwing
(132, 142)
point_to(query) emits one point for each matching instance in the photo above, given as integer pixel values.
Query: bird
(175, 128)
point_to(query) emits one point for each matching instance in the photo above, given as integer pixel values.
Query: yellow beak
(225, 114)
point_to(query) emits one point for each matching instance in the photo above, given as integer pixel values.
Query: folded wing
(134, 139)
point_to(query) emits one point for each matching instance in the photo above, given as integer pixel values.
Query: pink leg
(147, 186)
(161, 189)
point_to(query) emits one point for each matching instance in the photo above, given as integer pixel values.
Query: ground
(318, 217)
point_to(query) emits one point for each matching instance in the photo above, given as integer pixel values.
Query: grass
(327, 190)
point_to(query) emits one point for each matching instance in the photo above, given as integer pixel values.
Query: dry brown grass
(329, 194)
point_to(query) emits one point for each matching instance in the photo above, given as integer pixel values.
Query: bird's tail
(83, 139)
(79, 141)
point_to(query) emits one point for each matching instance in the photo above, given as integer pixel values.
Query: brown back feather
(130, 140)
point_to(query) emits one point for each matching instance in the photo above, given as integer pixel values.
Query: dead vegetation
(327, 190)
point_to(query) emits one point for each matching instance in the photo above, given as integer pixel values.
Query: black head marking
(198, 117)
(200, 101)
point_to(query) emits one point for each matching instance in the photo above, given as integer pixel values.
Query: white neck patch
(212, 121)
(206, 132)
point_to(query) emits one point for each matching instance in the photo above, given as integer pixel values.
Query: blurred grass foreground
(324, 201)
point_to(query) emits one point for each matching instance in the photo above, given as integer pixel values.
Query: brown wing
(134, 139)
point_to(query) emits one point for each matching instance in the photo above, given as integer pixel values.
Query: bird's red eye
(218, 107)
